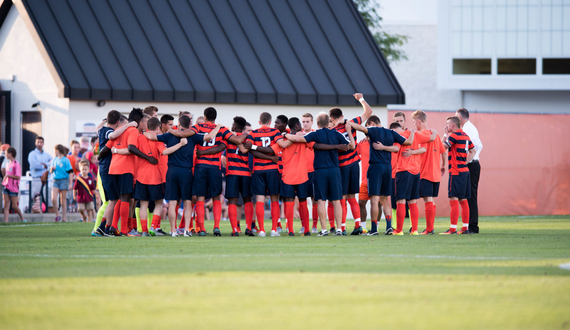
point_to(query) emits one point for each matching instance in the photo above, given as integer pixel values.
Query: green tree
(389, 43)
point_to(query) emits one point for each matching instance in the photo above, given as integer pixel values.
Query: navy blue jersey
(326, 159)
(103, 134)
(385, 136)
(184, 156)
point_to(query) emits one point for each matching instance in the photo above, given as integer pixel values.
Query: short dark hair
(39, 138)
(113, 117)
(210, 114)
(455, 121)
(464, 113)
(150, 110)
(184, 121)
(239, 123)
(335, 113)
(265, 118)
(153, 123)
(395, 125)
(308, 115)
(283, 119)
(166, 118)
(293, 121)
(94, 138)
(11, 151)
(73, 142)
(124, 118)
(373, 119)
(247, 124)
(399, 114)
(136, 115)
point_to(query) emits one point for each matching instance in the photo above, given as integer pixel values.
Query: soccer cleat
(145, 234)
(152, 231)
(235, 234)
(414, 233)
(464, 232)
(357, 231)
(174, 234)
(192, 231)
(449, 232)
(314, 230)
(307, 233)
(160, 232)
(180, 231)
(113, 231)
(389, 231)
(302, 230)
(122, 235)
(332, 230)
(187, 233)
(254, 230)
(344, 233)
(372, 233)
(202, 233)
(249, 233)
(291, 234)
(398, 233)
(133, 233)
(425, 232)
(338, 233)
(94, 233)
(58, 219)
(274, 233)
(323, 233)
(217, 232)
(101, 232)
(261, 234)
(279, 230)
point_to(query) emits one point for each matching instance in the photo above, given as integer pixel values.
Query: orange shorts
(363, 193)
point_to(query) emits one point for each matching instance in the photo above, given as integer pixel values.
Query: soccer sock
(102, 224)
(454, 215)
(465, 214)
(192, 218)
(304, 214)
(275, 212)
(182, 221)
(116, 215)
(132, 224)
(156, 221)
(217, 213)
(330, 211)
(344, 212)
(124, 212)
(232, 214)
(400, 216)
(355, 208)
(248, 209)
(363, 225)
(100, 215)
(315, 215)
(388, 222)
(138, 219)
(260, 213)
(144, 225)
(429, 207)
(374, 226)
(414, 216)
(200, 215)
(290, 214)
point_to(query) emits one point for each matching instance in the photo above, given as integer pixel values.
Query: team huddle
(145, 163)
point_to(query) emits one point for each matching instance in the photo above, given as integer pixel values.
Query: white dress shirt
(473, 134)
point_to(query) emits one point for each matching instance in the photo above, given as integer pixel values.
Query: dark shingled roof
(215, 51)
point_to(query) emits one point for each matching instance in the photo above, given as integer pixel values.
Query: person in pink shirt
(11, 184)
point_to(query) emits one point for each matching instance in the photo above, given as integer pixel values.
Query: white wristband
(253, 147)
(361, 100)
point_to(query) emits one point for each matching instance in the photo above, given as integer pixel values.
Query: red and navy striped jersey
(348, 157)
(459, 144)
(221, 137)
(264, 137)
(237, 163)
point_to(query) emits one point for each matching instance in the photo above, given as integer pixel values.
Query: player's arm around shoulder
(119, 131)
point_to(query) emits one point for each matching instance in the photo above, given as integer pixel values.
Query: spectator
(83, 192)
(75, 156)
(62, 181)
(39, 159)
(11, 183)
(3, 160)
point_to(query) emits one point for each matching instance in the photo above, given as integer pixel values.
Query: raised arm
(351, 144)
(359, 127)
(175, 147)
(182, 134)
(367, 109)
(116, 133)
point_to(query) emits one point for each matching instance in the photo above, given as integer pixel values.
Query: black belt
(474, 161)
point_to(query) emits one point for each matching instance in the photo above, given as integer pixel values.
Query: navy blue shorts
(265, 183)
(178, 184)
(379, 178)
(124, 183)
(238, 184)
(407, 186)
(108, 184)
(460, 185)
(207, 181)
(312, 184)
(428, 188)
(350, 176)
(298, 190)
(327, 184)
(147, 192)
(151, 204)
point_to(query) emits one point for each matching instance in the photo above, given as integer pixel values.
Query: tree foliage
(389, 43)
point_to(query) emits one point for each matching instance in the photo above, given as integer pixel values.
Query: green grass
(56, 276)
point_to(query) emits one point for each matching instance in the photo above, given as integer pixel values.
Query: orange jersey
(264, 137)
(459, 144)
(310, 153)
(430, 168)
(146, 172)
(348, 157)
(411, 163)
(73, 162)
(294, 157)
(395, 156)
(121, 164)
(364, 153)
(214, 159)
(237, 163)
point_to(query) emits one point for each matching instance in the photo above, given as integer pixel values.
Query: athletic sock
(344, 212)
(182, 221)
(355, 209)
(400, 216)
(200, 215)
(275, 212)
(454, 214)
(116, 215)
(465, 214)
(330, 211)
(388, 222)
(124, 217)
(217, 208)
(248, 209)
(304, 215)
(144, 225)
(363, 225)
(290, 214)
(429, 209)
(102, 224)
(414, 215)
(156, 221)
(260, 213)
(138, 219)
(232, 214)
(149, 217)
(315, 215)
(374, 226)
(132, 224)
(100, 215)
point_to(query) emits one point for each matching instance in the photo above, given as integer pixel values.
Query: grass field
(56, 276)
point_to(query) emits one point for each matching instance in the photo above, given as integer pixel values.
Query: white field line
(300, 255)
(32, 225)
(565, 266)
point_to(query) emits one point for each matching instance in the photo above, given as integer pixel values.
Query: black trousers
(474, 171)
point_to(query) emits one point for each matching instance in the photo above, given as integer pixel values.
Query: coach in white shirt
(474, 168)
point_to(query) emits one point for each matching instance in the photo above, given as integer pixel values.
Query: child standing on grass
(11, 183)
(62, 181)
(83, 191)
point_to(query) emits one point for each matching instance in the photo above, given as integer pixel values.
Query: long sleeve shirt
(36, 159)
(473, 134)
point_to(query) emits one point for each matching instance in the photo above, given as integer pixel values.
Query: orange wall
(525, 163)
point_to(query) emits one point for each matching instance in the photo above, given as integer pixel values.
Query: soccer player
(265, 179)
(432, 168)
(327, 171)
(307, 122)
(348, 161)
(461, 152)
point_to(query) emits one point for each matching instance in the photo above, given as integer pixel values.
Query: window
(516, 66)
(472, 66)
(556, 65)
